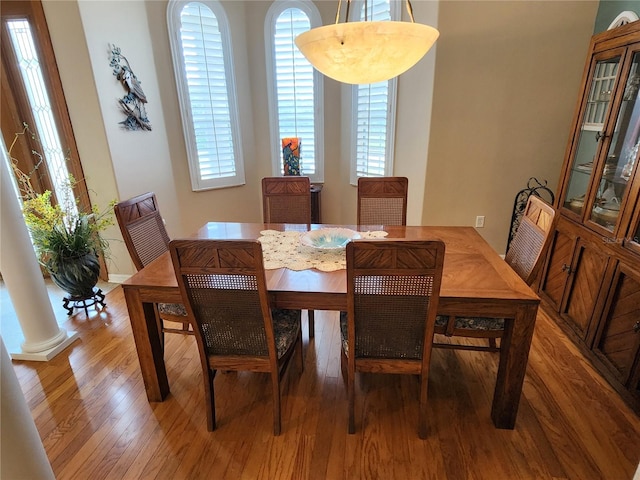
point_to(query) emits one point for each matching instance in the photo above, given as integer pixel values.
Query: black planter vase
(77, 275)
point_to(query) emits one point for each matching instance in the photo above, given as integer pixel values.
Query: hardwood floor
(92, 413)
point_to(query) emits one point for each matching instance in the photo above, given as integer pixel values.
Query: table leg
(148, 345)
(514, 354)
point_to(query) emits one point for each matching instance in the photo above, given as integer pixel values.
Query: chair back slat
(525, 248)
(149, 238)
(286, 199)
(404, 306)
(142, 228)
(528, 248)
(225, 285)
(392, 291)
(382, 200)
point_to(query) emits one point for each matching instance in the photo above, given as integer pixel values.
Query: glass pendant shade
(366, 52)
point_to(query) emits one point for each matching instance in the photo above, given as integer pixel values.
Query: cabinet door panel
(556, 278)
(620, 336)
(588, 272)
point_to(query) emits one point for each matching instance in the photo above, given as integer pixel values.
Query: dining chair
(146, 239)
(393, 288)
(382, 200)
(525, 256)
(288, 200)
(224, 285)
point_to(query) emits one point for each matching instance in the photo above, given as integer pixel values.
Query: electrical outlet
(480, 221)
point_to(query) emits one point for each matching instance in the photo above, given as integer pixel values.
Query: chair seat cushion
(344, 332)
(286, 325)
(472, 323)
(176, 309)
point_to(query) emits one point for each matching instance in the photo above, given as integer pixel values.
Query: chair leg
(311, 323)
(209, 398)
(351, 393)
(299, 353)
(160, 324)
(275, 384)
(422, 416)
(492, 342)
(344, 367)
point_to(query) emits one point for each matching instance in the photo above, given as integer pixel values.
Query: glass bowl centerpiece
(328, 238)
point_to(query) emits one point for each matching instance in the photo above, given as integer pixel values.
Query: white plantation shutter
(204, 73)
(294, 92)
(373, 111)
(371, 129)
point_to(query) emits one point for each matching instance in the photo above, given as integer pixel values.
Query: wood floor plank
(91, 411)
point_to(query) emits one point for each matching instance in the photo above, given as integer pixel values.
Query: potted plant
(66, 239)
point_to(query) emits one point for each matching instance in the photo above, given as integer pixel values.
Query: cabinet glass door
(603, 79)
(622, 153)
(633, 241)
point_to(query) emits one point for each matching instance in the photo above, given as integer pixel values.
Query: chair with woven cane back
(393, 288)
(382, 200)
(146, 239)
(525, 256)
(288, 200)
(225, 288)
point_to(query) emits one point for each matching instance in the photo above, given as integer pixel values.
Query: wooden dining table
(476, 281)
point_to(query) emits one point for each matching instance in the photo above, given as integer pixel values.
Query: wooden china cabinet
(591, 279)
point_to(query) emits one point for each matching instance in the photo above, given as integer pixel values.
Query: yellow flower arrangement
(61, 232)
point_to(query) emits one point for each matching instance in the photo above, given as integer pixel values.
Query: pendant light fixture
(366, 52)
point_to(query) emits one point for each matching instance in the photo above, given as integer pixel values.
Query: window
(202, 59)
(32, 94)
(295, 87)
(373, 108)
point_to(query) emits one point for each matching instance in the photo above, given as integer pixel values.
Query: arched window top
(306, 6)
(623, 18)
(203, 65)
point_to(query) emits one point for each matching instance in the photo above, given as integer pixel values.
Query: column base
(45, 355)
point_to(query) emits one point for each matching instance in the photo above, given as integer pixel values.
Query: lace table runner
(284, 250)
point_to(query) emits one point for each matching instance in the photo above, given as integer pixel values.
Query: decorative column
(21, 450)
(22, 276)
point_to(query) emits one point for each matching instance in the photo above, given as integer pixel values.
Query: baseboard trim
(117, 278)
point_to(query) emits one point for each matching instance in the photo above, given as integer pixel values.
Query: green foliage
(61, 231)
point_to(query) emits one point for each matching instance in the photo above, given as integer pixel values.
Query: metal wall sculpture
(132, 104)
(534, 187)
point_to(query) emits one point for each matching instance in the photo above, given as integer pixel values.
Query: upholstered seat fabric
(286, 324)
(472, 323)
(176, 309)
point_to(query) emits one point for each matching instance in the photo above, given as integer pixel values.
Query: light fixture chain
(410, 10)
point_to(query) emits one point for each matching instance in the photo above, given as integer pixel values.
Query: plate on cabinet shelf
(585, 167)
(605, 215)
